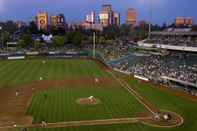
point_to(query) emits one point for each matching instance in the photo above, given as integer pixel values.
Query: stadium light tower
(150, 21)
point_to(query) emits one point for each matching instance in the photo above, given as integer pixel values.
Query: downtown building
(131, 17)
(20, 24)
(108, 17)
(91, 18)
(183, 21)
(142, 24)
(91, 23)
(57, 21)
(42, 20)
(116, 18)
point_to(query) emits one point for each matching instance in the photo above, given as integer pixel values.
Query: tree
(58, 41)
(78, 38)
(69, 36)
(124, 30)
(111, 32)
(53, 30)
(22, 43)
(5, 36)
(25, 40)
(33, 28)
(101, 40)
(38, 44)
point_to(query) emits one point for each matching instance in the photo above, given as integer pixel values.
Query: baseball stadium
(85, 94)
(98, 65)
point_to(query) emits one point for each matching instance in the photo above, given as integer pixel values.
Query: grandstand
(172, 40)
(174, 69)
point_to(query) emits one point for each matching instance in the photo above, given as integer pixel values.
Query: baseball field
(82, 95)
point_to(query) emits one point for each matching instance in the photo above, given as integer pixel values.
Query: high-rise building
(91, 18)
(188, 21)
(54, 20)
(42, 20)
(116, 19)
(106, 7)
(20, 24)
(58, 21)
(183, 21)
(90, 26)
(106, 15)
(131, 17)
(142, 24)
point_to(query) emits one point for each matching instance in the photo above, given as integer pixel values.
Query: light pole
(94, 45)
(1, 37)
(150, 21)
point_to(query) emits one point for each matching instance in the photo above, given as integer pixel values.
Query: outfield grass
(19, 72)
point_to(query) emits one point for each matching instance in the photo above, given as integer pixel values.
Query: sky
(75, 10)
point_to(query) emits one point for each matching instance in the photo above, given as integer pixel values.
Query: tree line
(76, 36)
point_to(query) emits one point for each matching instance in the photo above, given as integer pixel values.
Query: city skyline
(163, 10)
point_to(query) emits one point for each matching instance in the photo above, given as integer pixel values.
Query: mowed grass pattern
(19, 72)
(60, 104)
(162, 100)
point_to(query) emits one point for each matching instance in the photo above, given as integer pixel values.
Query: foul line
(132, 91)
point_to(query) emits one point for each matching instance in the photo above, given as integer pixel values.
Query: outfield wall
(141, 78)
(16, 57)
(34, 53)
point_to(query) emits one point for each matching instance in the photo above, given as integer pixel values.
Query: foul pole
(94, 45)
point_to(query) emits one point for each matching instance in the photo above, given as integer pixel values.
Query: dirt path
(82, 123)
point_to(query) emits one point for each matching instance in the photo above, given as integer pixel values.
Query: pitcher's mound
(88, 101)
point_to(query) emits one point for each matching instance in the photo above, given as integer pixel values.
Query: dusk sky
(75, 10)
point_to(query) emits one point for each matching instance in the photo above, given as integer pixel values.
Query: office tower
(131, 17)
(42, 20)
